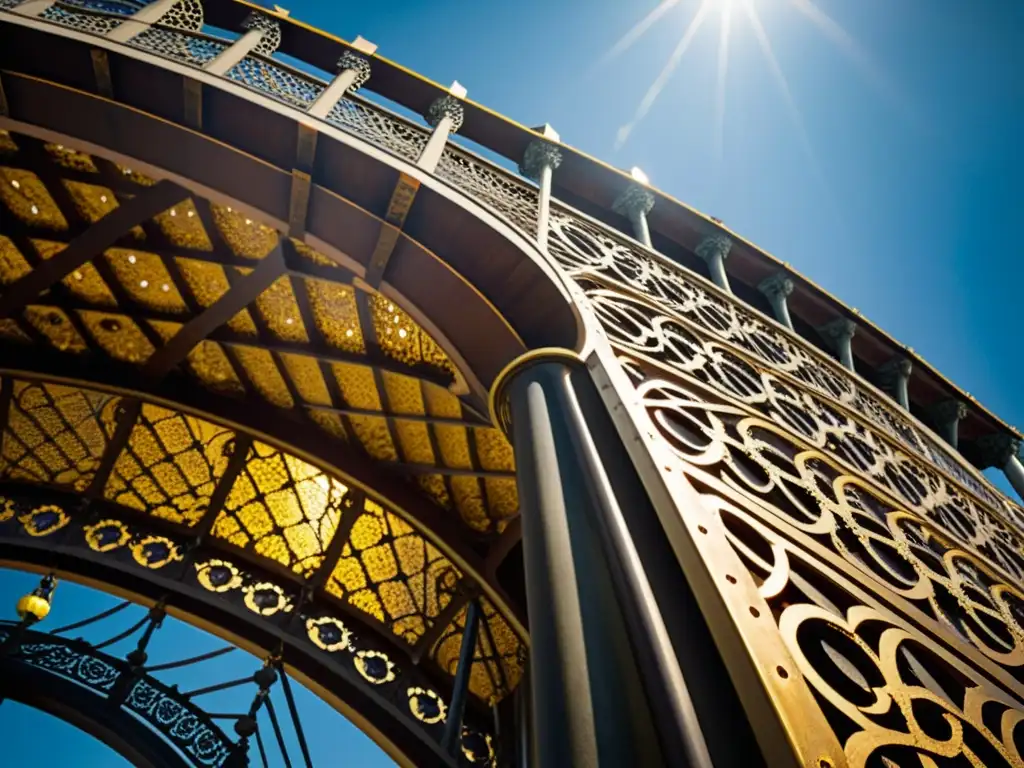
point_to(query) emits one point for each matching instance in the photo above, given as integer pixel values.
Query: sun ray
(628, 39)
(849, 47)
(794, 111)
(723, 71)
(663, 77)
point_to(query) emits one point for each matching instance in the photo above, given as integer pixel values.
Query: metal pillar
(540, 160)
(946, 416)
(353, 72)
(635, 203)
(445, 115)
(777, 288)
(263, 36)
(606, 684)
(1000, 450)
(453, 726)
(839, 333)
(895, 376)
(714, 249)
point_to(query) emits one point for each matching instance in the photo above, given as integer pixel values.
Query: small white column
(1002, 450)
(714, 250)
(839, 333)
(635, 202)
(895, 376)
(445, 115)
(946, 416)
(353, 72)
(540, 160)
(153, 13)
(777, 288)
(263, 37)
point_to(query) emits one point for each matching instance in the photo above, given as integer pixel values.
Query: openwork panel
(637, 327)
(55, 435)
(170, 465)
(588, 251)
(894, 694)
(376, 126)
(76, 16)
(285, 85)
(282, 508)
(513, 200)
(185, 47)
(392, 573)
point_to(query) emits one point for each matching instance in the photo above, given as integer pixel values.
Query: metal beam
(391, 228)
(237, 298)
(90, 244)
(127, 414)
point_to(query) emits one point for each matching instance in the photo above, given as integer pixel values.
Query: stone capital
(446, 106)
(778, 286)
(840, 329)
(947, 411)
(895, 368)
(636, 200)
(350, 60)
(270, 27)
(538, 155)
(714, 246)
(995, 450)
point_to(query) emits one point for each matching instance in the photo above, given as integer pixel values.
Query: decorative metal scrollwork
(590, 252)
(191, 49)
(377, 127)
(285, 85)
(514, 201)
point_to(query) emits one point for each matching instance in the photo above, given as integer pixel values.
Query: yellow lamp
(33, 605)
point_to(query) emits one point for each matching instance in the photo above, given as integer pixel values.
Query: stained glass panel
(171, 465)
(283, 508)
(56, 435)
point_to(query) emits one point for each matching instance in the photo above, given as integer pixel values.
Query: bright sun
(726, 13)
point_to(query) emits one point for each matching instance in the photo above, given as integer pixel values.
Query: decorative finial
(714, 246)
(778, 286)
(446, 106)
(538, 155)
(358, 64)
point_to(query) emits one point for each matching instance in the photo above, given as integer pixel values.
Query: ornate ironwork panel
(372, 124)
(285, 85)
(185, 47)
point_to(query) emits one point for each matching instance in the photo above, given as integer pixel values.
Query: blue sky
(900, 193)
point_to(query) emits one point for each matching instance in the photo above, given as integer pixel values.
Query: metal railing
(577, 241)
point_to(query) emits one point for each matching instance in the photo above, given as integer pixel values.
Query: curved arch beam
(347, 210)
(87, 711)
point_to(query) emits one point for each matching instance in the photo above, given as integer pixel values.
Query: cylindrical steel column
(606, 685)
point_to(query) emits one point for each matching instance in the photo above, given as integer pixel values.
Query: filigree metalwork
(514, 201)
(283, 84)
(383, 129)
(271, 29)
(186, 15)
(638, 327)
(189, 728)
(81, 20)
(449, 107)
(186, 47)
(587, 250)
(360, 65)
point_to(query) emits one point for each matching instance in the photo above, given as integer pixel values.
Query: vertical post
(714, 249)
(150, 14)
(540, 160)
(460, 689)
(839, 333)
(1001, 450)
(263, 36)
(777, 288)
(946, 416)
(353, 72)
(445, 115)
(895, 376)
(606, 687)
(635, 203)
